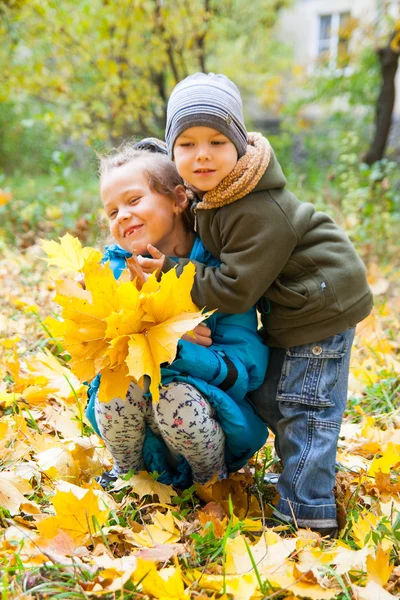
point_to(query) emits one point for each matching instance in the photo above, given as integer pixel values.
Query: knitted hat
(206, 101)
(151, 144)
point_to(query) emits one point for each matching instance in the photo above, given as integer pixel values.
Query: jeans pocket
(311, 371)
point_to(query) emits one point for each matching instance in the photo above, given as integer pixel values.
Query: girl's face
(137, 215)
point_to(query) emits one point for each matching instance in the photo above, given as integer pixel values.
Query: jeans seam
(326, 424)
(304, 456)
(321, 367)
(297, 400)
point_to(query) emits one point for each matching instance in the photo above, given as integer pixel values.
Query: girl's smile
(132, 230)
(137, 215)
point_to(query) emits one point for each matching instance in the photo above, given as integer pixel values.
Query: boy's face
(204, 157)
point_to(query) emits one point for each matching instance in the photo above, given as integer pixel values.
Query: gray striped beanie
(206, 101)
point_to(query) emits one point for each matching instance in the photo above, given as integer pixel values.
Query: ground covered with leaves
(61, 535)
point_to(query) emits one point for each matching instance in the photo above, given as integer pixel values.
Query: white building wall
(299, 27)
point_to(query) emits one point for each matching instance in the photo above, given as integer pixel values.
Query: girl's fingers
(136, 270)
(146, 263)
(202, 330)
(202, 336)
(203, 341)
(155, 252)
(149, 265)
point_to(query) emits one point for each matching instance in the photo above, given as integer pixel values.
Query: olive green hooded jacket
(294, 261)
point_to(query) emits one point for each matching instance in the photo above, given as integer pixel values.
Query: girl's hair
(160, 172)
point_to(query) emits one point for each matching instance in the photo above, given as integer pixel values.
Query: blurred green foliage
(25, 144)
(103, 70)
(85, 74)
(355, 86)
(46, 205)
(370, 201)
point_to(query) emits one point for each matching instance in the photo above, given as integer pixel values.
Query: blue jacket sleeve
(237, 360)
(236, 336)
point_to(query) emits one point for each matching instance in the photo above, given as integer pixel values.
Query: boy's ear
(182, 201)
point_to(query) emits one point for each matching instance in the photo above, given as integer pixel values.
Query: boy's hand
(151, 265)
(202, 336)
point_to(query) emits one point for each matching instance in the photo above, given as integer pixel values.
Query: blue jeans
(302, 401)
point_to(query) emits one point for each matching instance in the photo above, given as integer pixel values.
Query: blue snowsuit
(234, 365)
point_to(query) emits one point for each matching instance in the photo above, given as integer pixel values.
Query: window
(333, 39)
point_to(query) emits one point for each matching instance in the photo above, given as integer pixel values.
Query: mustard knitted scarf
(243, 179)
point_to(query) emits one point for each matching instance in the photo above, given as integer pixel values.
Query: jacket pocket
(299, 290)
(311, 371)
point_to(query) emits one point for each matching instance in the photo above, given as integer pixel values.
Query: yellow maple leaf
(124, 322)
(116, 571)
(58, 379)
(118, 349)
(166, 583)
(10, 497)
(386, 462)
(114, 383)
(363, 527)
(162, 531)
(100, 281)
(378, 567)
(144, 484)
(372, 591)
(157, 345)
(8, 398)
(83, 334)
(69, 255)
(73, 515)
(171, 298)
(114, 329)
(58, 463)
(269, 552)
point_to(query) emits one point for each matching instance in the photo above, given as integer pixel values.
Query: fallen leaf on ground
(143, 484)
(74, 515)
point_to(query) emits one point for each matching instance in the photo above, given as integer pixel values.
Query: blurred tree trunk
(388, 59)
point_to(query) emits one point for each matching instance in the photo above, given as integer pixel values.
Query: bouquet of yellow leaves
(113, 328)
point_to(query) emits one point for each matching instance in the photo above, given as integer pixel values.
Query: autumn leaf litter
(62, 534)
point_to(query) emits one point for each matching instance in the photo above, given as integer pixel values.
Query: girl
(203, 423)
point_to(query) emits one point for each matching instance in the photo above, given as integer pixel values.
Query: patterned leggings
(182, 417)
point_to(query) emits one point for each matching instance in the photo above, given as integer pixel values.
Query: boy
(303, 271)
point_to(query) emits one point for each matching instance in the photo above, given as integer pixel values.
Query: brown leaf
(235, 488)
(304, 576)
(384, 484)
(214, 508)
(61, 545)
(218, 524)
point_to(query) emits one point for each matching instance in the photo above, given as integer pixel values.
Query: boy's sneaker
(107, 480)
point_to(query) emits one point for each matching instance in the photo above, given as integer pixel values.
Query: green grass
(46, 206)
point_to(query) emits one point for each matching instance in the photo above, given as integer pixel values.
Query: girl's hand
(136, 271)
(202, 336)
(152, 265)
(80, 278)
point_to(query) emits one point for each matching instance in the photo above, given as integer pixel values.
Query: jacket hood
(273, 177)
